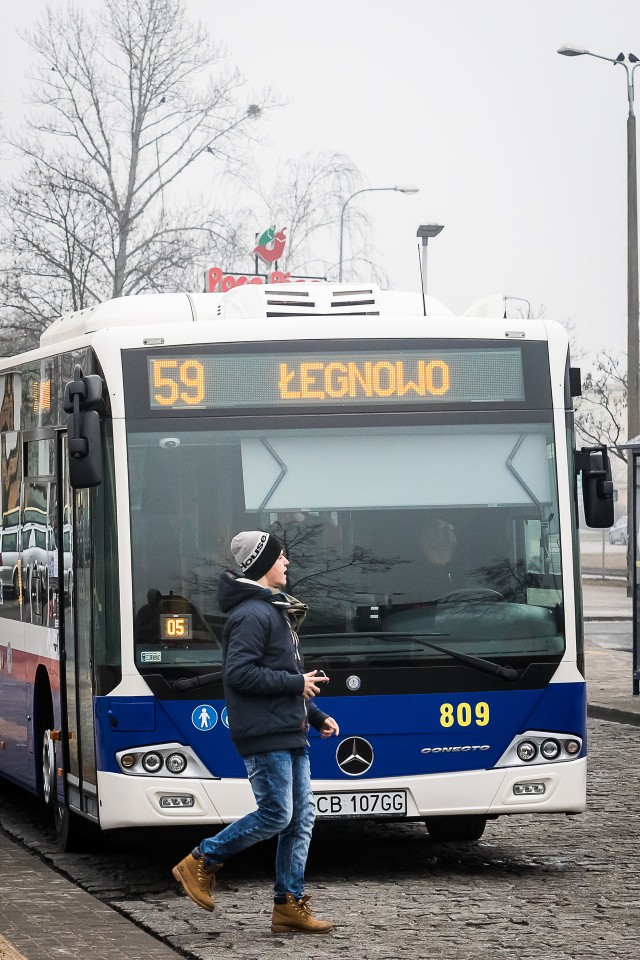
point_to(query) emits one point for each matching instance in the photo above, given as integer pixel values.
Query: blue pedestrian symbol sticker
(204, 717)
(224, 716)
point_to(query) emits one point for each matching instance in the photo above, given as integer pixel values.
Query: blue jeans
(281, 785)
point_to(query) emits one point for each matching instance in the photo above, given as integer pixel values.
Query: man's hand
(329, 728)
(310, 681)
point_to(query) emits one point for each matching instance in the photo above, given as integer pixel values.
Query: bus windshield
(447, 530)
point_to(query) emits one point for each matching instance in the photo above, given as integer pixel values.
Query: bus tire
(456, 829)
(42, 708)
(74, 834)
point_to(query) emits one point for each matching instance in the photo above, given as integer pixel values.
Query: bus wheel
(49, 770)
(460, 829)
(73, 833)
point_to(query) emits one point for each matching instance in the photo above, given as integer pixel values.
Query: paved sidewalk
(610, 685)
(609, 665)
(43, 916)
(605, 599)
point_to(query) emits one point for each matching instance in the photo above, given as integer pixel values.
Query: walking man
(270, 706)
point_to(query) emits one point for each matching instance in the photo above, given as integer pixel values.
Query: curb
(596, 712)
(608, 577)
(8, 951)
(609, 617)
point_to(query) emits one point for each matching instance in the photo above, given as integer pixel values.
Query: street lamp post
(633, 354)
(633, 357)
(348, 200)
(425, 231)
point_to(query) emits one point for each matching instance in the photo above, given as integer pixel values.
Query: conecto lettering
(383, 378)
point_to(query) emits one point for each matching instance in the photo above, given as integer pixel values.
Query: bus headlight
(528, 789)
(152, 762)
(549, 749)
(176, 762)
(526, 751)
(185, 800)
(162, 760)
(532, 747)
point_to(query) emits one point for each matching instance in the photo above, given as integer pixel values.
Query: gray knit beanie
(255, 552)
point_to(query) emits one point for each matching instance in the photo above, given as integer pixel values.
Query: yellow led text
(178, 382)
(383, 378)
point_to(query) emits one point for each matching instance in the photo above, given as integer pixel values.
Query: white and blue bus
(421, 474)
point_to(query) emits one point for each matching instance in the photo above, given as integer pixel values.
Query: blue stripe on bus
(399, 728)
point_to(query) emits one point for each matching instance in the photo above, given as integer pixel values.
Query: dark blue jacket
(262, 670)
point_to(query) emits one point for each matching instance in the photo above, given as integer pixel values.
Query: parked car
(618, 532)
(9, 555)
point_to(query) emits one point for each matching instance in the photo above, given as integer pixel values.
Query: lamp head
(407, 189)
(427, 230)
(633, 58)
(572, 51)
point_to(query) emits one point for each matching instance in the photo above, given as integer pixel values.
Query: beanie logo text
(257, 550)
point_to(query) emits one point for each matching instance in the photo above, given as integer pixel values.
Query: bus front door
(75, 560)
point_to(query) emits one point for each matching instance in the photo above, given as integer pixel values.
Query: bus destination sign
(215, 381)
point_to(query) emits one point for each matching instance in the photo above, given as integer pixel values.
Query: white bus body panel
(127, 801)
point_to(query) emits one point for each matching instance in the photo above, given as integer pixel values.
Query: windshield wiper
(187, 683)
(484, 666)
(477, 663)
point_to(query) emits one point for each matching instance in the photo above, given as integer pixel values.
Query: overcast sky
(519, 152)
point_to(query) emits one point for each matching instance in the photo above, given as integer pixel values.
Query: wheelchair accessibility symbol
(204, 717)
(224, 716)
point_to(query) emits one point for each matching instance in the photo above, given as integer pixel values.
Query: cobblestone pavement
(536, 887)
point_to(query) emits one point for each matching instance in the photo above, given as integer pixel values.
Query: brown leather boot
(197, 879)
(296, 915)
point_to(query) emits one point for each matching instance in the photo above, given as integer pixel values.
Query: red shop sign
(217, 281)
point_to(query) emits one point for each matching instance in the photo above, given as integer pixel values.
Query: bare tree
(52, 249)
(601, 412)
(126, 102)
(307, 195)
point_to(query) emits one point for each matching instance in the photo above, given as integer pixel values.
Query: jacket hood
(233, 589)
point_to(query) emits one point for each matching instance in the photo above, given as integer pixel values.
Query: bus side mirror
(575, 382)
(597, 486)
(82, 396)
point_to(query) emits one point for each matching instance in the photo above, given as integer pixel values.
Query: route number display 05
(176, 627)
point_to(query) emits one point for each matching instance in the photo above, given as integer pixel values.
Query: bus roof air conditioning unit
(300, 299)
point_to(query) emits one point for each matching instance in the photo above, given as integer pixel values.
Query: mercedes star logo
(354, 756)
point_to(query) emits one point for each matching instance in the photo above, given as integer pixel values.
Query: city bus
(420, 471)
